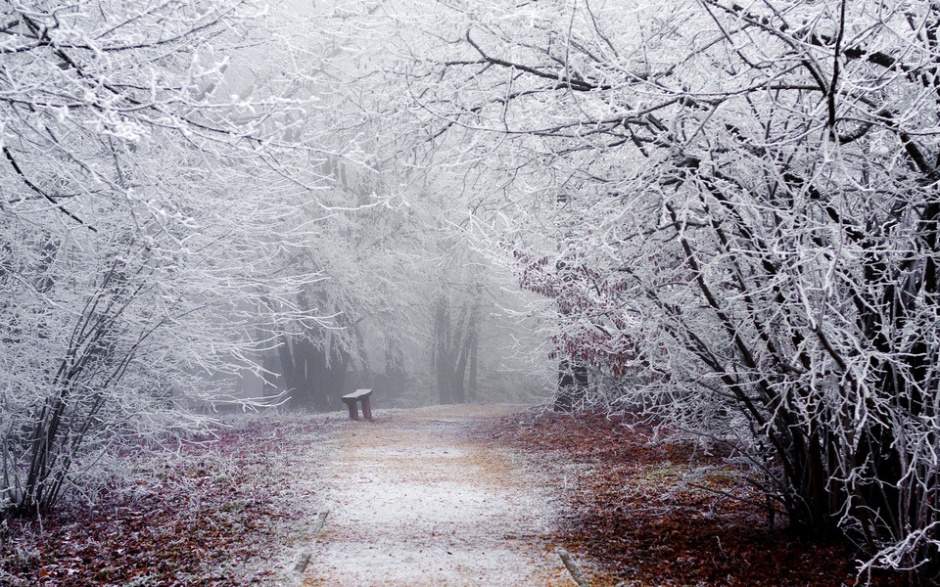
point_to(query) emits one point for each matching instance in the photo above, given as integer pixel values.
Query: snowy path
(414, 502)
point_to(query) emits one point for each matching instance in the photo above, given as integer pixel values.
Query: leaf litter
(220, 510)
(451, 496)
(643, 511)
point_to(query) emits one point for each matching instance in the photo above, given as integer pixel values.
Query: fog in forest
(720, 218)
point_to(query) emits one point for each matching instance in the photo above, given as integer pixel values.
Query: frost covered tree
(349, 214)
(750, 228)
(145, 184)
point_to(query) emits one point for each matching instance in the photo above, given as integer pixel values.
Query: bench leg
(366, 408)
(353, 410)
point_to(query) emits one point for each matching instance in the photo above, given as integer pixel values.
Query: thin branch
(38, 190)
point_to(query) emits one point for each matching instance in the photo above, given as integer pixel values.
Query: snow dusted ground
(414, 501)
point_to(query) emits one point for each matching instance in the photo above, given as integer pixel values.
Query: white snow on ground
(413, 501)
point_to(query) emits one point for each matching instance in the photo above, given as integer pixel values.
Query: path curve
(415, 501)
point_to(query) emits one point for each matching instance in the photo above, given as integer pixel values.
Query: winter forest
(719, 217)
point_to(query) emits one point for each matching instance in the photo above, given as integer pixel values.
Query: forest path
(416, 500)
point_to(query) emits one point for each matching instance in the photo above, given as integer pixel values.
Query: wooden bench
(360, 395)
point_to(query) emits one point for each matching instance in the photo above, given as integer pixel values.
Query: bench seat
(353, 399)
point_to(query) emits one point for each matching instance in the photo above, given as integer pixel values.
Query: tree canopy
(736, 211)
(733, 209)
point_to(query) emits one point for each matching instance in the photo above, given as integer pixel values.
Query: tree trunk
(313, 378)
(271, 367)
(472, 376)
(572, 381)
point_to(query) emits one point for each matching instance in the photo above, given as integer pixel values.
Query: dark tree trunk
(472, 384)
(312, 378)
(572, 381)
(455, 351)
(393, 379)
(272, 367)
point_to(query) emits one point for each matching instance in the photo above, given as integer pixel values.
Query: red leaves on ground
(203, 515)
(628, 506)
(199, 516)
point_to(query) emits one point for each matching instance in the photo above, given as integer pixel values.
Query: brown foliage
(201, 516)
(655, 513)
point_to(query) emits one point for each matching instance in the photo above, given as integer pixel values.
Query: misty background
(724, 217)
